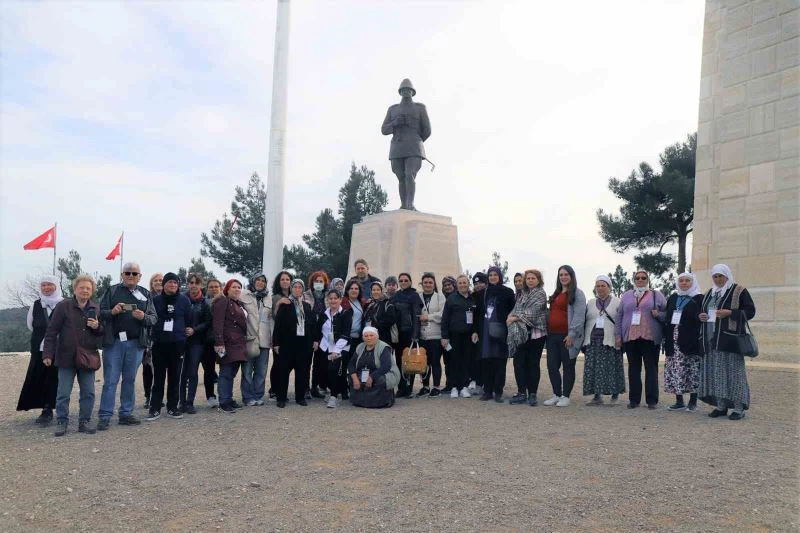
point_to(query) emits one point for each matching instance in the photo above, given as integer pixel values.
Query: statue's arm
(424, 124)
(387, 128)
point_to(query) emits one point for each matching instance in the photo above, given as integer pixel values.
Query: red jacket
(230, 329)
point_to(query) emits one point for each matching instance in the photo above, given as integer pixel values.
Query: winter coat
(68, 330)
(433, 329)
(116, 294)
(200, 320)
(230, 329)
(181, 319)
(742, 307)
(688, 328)
(284, 336)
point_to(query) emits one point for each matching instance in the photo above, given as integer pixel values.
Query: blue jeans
(254, 377)
(227, 373)
(191, 362)
(66, 377)
(121, 359)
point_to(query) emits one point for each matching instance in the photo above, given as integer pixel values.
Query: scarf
(49, 302)
(725, 271)
(693, 290)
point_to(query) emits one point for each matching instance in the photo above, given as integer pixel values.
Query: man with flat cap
(409, 126)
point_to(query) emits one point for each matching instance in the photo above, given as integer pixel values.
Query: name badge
(364, 375)
(712, 315)
(123, 336)
(168, 325)
(676, 317)
(301, 328)
(600, 322)
(489, 311)
(636, 319)
(469, 317)
(139, 296)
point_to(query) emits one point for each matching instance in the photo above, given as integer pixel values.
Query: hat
(480, 277)
(390, 279)
(370, 329)
(406, 84)
(170, 276)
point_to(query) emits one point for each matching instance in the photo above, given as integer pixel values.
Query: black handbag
(745, 342)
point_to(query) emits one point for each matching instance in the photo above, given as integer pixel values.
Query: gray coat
(576, 314)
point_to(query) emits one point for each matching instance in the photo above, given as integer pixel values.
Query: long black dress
(41, 382)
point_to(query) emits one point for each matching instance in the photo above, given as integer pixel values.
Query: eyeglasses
(133, 274)
(640, 278)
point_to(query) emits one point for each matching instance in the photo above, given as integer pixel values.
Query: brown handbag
(414, 359)
(87, 358)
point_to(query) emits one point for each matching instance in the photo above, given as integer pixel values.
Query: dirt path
(425, 465)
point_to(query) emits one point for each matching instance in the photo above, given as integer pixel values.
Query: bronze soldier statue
(408, 124)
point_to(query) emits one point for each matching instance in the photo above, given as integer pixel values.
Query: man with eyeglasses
(127, 312)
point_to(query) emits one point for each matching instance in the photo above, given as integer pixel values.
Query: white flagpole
(272, 259)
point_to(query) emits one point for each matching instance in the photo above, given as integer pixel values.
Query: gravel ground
(426, 465)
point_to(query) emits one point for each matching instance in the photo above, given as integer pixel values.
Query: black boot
(315, 393)
(46, 417)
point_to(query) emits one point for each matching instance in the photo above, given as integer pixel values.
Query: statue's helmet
(406, 84)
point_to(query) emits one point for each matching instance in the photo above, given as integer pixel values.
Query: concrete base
(406, 241)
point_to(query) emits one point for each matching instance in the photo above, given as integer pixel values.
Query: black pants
(433, 347)
(167, 363)
(209, 362)
(474, 368)
(404, 341)
(319, 375)
(288, 360)
(558, 356)
(147, 376)
(526, 365)
(638, 351)
(274, 377)
(337, 374)
(494, 374)
(459, 359)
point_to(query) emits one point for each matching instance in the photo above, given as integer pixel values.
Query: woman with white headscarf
(372, 372)
(682, 342)
(725, 310)
(603, 370)
(41, 382)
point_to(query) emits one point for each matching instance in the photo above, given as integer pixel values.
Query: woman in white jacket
(430, 322)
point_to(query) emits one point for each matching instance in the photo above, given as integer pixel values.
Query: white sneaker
(553, 401)
(251, 403)
(563, 402)
(213, 402)
(465, 393)
(259, 402)
(454, 392)
(333, 403)
(472, 387)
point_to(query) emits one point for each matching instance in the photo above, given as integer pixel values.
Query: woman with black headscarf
(492, 312)
(292, 339)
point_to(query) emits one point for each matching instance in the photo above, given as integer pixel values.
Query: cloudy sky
(143, 116)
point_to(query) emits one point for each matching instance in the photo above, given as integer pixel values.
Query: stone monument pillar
(747, 187)
(406, 241)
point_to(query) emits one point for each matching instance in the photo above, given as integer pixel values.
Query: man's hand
(117, 309)
(138, 314)
(47, 362)
(189, 332)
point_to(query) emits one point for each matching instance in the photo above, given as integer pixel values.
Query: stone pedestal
(747, 183)
(406, 241)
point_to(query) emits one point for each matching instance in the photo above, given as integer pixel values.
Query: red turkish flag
(113, 254)
(45, 240)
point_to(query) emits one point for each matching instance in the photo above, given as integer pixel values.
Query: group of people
(345, 340)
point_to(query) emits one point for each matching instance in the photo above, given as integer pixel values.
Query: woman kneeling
(373, 372)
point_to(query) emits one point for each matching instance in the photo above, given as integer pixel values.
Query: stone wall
(747, 195)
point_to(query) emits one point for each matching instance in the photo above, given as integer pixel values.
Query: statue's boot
(403, 204)
(411, 187)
